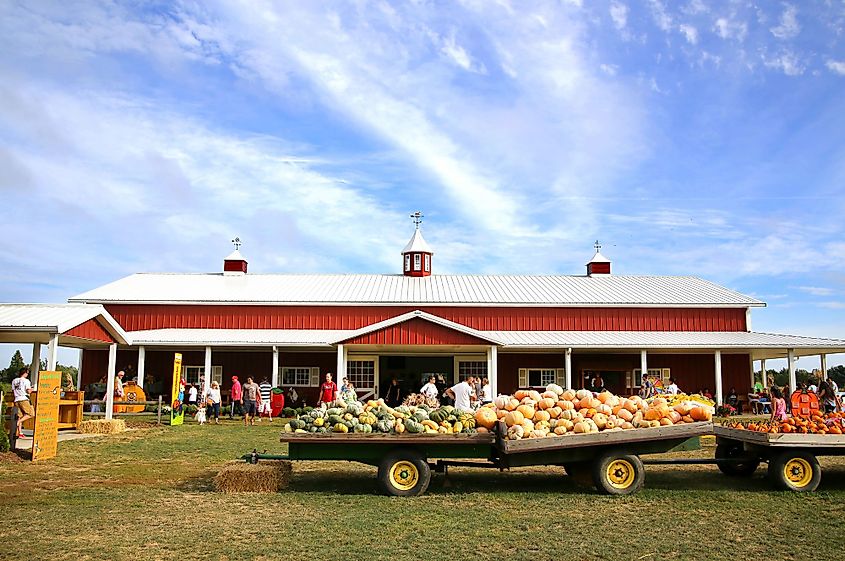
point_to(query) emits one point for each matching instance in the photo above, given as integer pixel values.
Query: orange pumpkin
(682, 408)
(512, 404)
(652, 414)
(604, 408)
(568, 395)
(700, 414)
(625, 415)
(554, 412)
(526, 410)
(534, 395)
(485, 417)
(514, 418)
(549, 394)
(541, 415)
(520, 394)
(500, 413)
(546, 403)
(675, 417)
(630, 405)
(566, 405)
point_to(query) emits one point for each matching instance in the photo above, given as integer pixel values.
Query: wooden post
(718, 361)
(52, 352)
(568, 365)
(159, 410)
(110, 381)
(13, 427)
(142, 365)
(274, 375)
(823, 360)
(790, 358)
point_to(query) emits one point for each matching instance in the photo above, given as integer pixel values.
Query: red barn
(519, 330)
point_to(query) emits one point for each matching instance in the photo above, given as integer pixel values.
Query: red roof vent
(234, 263)
(416, 257)
(599, 264)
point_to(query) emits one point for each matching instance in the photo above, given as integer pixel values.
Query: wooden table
(70, 410)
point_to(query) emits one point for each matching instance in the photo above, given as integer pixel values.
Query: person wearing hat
(118, 385)
(237, 398)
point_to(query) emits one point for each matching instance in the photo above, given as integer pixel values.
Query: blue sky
(698, 137)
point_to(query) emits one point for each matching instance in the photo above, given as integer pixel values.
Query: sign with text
(177, 412)
(46, 434)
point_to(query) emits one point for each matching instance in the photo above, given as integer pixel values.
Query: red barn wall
(416, 332)
(92, 330)
(134, 317)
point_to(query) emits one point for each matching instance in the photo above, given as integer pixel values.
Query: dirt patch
(12, 457)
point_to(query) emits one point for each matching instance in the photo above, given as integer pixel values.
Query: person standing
(328, 391)
(778, 405)
(264, 407)
(461, 393)
(212, 400)
(347, 391)
(827, 398)
(393, 396)
(647, 389)
(251, 397)
(118, 386)
(21, 388)
(293, 397)
(486, 392)
(192, 394)
(236, 397)
(429, 390)
(673, 387)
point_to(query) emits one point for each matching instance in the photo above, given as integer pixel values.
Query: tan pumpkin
(555, 389)
(548, 394)
(582, 393)
(554, 412)
(675, 417)
(514, 418)
(560, 430)
(687, 419)
(546, 403)
(682, 408)
(481, 430)
(631, 405)
(485, 417)
(526, 410)
(581, 428)
(604, 408)
(600, 419)
(527, 425)
(638, 419)
(626, 426)
(512, 404)
(610, 425)
(541, 415)
(566, 405)
(568, 395)
(625, 415)
(535, 395)
(568, 425)
(500, 413)
(666, 422)
(501, 402)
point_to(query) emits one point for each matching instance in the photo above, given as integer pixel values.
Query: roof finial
(417, 216)
(237, 242)
(597, 245)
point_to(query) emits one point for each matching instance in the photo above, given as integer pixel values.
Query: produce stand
(792, 457)
(70, 410)
(609, 460)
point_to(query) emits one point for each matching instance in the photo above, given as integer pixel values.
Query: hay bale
(102, 426)
(264, 477)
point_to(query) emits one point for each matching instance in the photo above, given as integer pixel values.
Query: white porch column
(142, 364)
(493, 370)
(719, 392)
(643, 365)
(110, 381)
(52, 352)
(567, 363)
(341, 364)
(790, 358)
(823, 360)
(763, 378)
(274, 376)
(206, 382)
(35, 365)
(79, 371)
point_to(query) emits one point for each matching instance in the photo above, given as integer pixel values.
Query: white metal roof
(55, 318)
(417, 243)
(461, 290)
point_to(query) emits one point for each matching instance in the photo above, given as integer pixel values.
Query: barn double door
(362, 371)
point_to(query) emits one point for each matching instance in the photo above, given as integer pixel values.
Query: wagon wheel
(618, 473)
(795, 471)
(404, 473)
(735, 450)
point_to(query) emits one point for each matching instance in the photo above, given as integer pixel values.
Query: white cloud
(695, 7)
(660, 15)
(833, 305)
(836, 66)
(609, 69)
(690, 33)
(619, 15)
(727, 28)
(788, 62)
(816, 290)
(788, 26)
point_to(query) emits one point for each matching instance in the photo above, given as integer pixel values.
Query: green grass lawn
(147, 494)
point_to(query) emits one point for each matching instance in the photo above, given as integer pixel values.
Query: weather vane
(597, 245)
(238, 243)
(417, 216)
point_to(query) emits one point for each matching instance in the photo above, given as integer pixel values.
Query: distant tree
(14, 367)
(68, 373)
(837, 374)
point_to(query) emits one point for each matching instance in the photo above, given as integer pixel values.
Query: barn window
(416, 261)
(427, 263)
(407, 262)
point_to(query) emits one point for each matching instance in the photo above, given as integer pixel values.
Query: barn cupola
(599, 264)
(234, 263)
(416, 257)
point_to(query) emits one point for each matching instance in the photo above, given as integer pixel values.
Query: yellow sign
(46, 434)
(177, 412)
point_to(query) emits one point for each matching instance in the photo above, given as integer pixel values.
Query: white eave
(41, 320)
(424, 316)
(599, 258)
(417, 244)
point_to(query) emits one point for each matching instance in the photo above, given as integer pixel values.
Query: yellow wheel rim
(404, 475)
(621, 474)
(798, 472)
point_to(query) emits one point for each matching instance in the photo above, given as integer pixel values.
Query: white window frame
(458, 359)
(407, 262)
(364, 358)
(313, 373)
(427, 263)
(216, 373)
(417, 262)
(662, 373)
(558, 376)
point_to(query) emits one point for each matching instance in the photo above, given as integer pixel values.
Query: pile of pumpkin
(831, 423)
(559, 412)
(693, 399)
(377, 417)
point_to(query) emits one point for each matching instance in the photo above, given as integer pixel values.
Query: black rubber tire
(732, 450)
(415, 466)
(629, 468)
(786, 466)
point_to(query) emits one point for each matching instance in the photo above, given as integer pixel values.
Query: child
(778, 405)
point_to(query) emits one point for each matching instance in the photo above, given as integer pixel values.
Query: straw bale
(102, 426)
(264, 477)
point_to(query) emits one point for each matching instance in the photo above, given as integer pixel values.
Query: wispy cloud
(619, 15)
(788, 26)
(836, 66)
(727, 28)
(689, 32)
(788, 62)
(816, 290)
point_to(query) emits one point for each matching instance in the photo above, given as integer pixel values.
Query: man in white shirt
(430, 389)
(21, 388)
(461, 393)
(673, 387)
